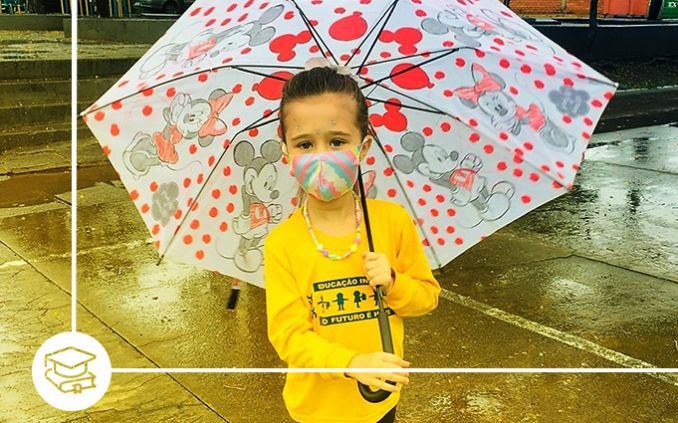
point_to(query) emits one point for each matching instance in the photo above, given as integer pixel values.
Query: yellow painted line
(582, 344)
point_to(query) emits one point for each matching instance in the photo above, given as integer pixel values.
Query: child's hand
(378, 271)
(379, 360)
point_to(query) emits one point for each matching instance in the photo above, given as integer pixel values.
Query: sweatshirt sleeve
(290, 328)
(415, 291)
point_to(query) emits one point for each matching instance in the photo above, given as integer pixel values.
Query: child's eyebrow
(306, 135)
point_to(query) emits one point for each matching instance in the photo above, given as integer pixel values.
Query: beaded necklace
(324, 251)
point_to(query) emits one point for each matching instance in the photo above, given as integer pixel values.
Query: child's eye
(304, 145)
(337, 142)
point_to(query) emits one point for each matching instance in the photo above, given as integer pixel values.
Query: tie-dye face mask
(327, 176)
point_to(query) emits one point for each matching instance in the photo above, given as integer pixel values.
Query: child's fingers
(372, 257)
(406, 375)
(394, 359)
(378, 383)
(394, 377)
(390, 360)
(400, 378)
(378, 281)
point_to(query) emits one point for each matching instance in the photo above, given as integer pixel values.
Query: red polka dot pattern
(442, 167)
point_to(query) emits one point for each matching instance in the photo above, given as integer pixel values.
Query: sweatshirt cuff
(400, 287)
(340, 358)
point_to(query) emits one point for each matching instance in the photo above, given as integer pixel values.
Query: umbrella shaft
(382, 318)
(384, 328)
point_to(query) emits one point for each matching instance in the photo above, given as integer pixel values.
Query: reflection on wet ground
(652, 148)
(39, 188)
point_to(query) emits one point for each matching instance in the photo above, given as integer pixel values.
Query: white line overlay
(412, 370)
(630, 364)
(74, 158)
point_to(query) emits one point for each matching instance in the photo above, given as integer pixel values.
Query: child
(319, 275)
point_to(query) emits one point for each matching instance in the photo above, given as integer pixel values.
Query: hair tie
(323, 62)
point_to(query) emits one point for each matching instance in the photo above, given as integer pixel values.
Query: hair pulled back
(321, 80)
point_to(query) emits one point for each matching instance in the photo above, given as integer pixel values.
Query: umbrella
(478, 120)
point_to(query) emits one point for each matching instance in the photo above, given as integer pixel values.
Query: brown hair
(322, 80)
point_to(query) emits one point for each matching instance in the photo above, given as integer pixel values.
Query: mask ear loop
(283, 149)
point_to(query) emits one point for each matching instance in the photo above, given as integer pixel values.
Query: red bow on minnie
(214, 125)
(485, 84)
(533, 116)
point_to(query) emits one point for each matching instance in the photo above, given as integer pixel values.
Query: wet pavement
(588, 280)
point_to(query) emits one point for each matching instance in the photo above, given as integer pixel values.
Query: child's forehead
(337, 107)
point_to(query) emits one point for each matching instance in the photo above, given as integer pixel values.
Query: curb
(33, 22)
(642, 107)
(40, 135)
(59, 69)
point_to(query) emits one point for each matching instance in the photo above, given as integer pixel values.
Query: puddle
(38, 188)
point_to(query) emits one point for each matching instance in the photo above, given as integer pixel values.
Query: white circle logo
(71, 371)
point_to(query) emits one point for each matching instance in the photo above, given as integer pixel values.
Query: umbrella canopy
(478, 119)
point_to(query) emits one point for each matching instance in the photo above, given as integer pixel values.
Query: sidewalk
(594, 290)
(588, 280)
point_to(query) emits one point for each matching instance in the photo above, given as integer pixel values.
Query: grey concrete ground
(589, 280)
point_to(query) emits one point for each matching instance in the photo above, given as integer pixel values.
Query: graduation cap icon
(67, 369)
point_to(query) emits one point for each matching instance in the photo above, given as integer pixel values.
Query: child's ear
(367, 143)
(283, 149)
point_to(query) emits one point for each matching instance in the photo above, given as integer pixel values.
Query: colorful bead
(321, 248)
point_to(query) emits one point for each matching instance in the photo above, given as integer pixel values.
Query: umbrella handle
(373, 396)
(382, 318)
(387, 346)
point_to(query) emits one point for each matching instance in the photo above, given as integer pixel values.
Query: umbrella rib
(197, 196)
(152, 87)
(374, 43)
(389, 12)
(441, 112)
(407, 198)
(239, 67)
(406, 106)
(417, 65)
(262, 66)
(423, 54)
(313, 32)
(256, 123)
(432, 109)
(258, 73)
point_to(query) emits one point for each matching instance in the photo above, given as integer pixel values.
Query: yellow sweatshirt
(322, 312)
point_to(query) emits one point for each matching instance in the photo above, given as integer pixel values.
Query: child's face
(322, 123)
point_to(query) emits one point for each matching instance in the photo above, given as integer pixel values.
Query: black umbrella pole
(382, 318)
